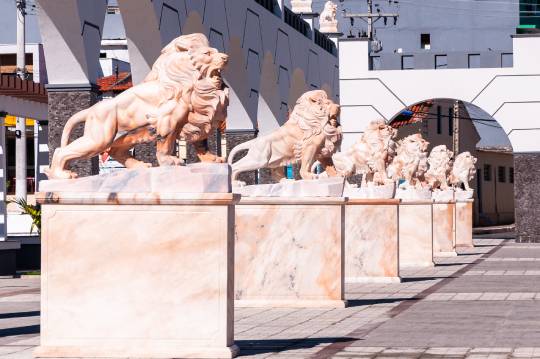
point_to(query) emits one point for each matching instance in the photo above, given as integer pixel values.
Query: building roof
(115, 83)
(13, 86)
(492, 135)
(415, 113)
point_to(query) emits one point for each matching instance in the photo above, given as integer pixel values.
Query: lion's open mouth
(214, 75)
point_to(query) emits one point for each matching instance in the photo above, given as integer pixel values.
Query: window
(501, 173)
(487, 173)
(474, 61)
(102, 55)
(450, 121)
(439, 120)
(407, 62)
(375, 62)
(441, 61)
(425, 41)
(507, 60)
(511, 175)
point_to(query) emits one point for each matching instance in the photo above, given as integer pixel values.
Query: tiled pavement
(484, 303)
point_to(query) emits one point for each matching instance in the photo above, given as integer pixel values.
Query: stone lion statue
(327, 18)
(440, 163)
(410, 163)
(370, 155)
(183, 95)
(463, 170)
(311, 133)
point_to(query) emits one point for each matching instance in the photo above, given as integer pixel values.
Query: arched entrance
(454, 123)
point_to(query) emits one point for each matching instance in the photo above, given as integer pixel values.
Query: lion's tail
(73, 120)
(243, 146)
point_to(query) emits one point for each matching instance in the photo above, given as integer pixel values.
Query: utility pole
(20, 128)
(455, 132)
(370, 18)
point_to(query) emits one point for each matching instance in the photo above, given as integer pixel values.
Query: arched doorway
(462, 126)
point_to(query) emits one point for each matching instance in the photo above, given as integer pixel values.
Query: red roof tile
(116, 83)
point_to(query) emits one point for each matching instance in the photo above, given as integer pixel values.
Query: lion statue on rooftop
(311, 133)
(410, 163)
(463, 170)
(370, 155)
(440, 164)
(327, 19)
(183, 95)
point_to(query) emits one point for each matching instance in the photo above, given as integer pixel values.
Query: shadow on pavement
(30, 329)
(19, 315)
(253, 347)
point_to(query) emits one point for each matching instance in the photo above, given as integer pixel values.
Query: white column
(20, 158)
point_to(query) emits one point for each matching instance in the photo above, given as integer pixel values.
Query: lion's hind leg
(83, 147)
(253, 160)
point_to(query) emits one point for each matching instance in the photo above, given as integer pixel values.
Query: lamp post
(20, 128)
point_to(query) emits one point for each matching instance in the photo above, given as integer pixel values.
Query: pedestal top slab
(416, 201)
(322, 187)
(372, 201)
(193, 178)
(136, 198)
(293, 200)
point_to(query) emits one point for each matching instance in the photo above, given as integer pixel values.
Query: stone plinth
(289, 252)
(416, 234)
(464, 220)
(144, 275)
(371, 241)
(444, 229)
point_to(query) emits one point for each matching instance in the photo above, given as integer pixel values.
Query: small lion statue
(370, 155)
(327, 20)
(311, 133)
(183, 95)
(463, 170)
(440, 164)
(410, 163)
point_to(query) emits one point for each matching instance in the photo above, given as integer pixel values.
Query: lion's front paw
(237, 183)
(219, 160)
(170, 161)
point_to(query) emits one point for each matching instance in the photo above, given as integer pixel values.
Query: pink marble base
(138, 280)
(371, 241)
(464, 219)
(444, 229)
(289, 252)
(416, 234)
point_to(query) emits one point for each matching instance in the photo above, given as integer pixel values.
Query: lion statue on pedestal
(183, 95)
(311, 133)
(463, 170)
(440, 164)
(370, 155)
(410, 163)
(327, 20)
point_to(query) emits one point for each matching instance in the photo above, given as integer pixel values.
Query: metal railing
(269, 5)
(324, 42)
(296, 22)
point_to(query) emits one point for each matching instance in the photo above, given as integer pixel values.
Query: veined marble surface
(415, 234)
(410, 193)
(289, 255)
(444, 229)
(322, 187)
(193, 178)
(371, 241)
(442, 195)
(464, 219)
(386, 191)
(152, 281)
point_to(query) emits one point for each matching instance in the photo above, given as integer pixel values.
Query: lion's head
(329, 12)
(463, 169)
(186, 64)
(439, 159)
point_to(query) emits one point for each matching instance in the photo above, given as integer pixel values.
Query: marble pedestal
(289, 252)
(444, 229)
(371, 241)
(464, 219)
(143, 275)
(416, 233)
